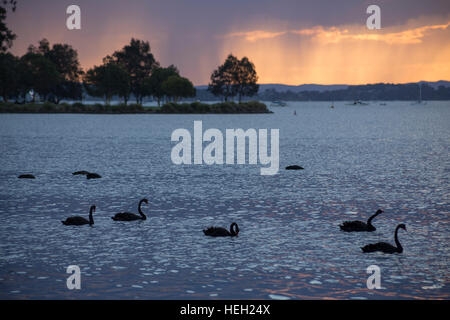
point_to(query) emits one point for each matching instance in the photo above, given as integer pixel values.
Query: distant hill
(302, 87)
(323, 87)
(438, 90)
(299, 88)
(436, 84)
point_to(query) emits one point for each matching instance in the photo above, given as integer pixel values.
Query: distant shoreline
(251, 107)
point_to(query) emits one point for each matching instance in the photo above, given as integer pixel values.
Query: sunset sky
(290, 41)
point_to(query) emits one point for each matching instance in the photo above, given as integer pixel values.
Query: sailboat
(420, 95)
(358, 103)
(277, 103)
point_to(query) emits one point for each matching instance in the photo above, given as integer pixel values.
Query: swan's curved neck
(140, 211)
(397, 243)
(369, 221)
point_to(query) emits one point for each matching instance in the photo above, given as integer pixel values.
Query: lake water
(357, 159)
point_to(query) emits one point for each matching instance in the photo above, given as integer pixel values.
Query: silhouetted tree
(6, 36)
(222, 79)
(108, 80)
(178, 87)
(139, 62)
(245, 78)
(39, 74)
(153, 84)
(65, 58)
(66, 89)
(234, 77)
(9, 76)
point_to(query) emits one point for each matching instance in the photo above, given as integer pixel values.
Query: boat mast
(420, 92)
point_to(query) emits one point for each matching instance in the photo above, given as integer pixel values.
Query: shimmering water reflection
(357, 159)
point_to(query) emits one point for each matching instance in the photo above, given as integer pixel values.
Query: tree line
(53, 72)
(369, 92)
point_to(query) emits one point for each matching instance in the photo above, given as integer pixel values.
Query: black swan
(359, 226)
(77, 173)
(27, 176)
(93, 176)
(127, 216)
(295, 167)
(222, 232)
(79, 221)
(386, 247)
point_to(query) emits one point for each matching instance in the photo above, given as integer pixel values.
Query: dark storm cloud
(190, 33)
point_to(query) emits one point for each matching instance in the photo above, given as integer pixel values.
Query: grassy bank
(222, 107)
(69, 108)
(169, 108)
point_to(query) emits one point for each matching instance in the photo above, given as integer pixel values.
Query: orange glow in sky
(346, 54)
(412, 50)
